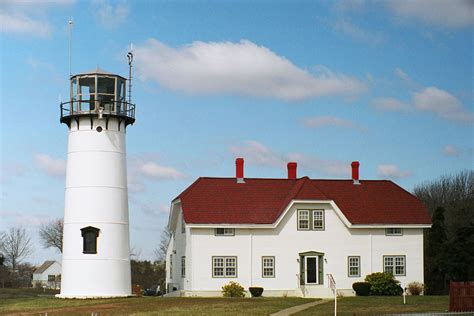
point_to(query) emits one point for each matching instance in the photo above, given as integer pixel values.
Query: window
(268, 267)
(171, 266)
(224, 267)
(353, 266)
(303, 219)
(89, 239)
(318, 220)
(394, 265)
(51, 278)
(393, 231)
(183, 225)
(183, 266)
(224, 231)
(310, 219)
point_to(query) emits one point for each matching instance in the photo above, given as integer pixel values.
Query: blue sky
(388, 83)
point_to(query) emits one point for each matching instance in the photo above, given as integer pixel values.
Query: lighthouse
(96, 246)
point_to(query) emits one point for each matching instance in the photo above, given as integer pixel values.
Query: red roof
(261, 201)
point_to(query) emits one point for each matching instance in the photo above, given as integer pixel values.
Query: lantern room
(97, 94)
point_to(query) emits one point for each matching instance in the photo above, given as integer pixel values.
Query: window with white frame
(183, 225)
(303, 219)
(393, 231)
(395, 265)
(353, 266)
(268, 267)
(318, 219)
(183, 266)
(225, 231)
(224, 267)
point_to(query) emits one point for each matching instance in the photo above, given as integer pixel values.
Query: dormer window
(310, 219)
(89, 239)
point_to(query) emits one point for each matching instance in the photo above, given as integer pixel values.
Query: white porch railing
(332, 285)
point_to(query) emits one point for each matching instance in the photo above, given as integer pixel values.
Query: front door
(311, 267)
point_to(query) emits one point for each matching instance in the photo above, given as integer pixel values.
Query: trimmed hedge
(361, 288)
(256, 291)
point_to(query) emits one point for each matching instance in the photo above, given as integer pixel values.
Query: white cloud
(242, 68)
(401, 74)
(258, 154)
(389, 104)
(445, 13)
(326, 167)
(52, 167)
(442, 103)
(28, 18)
(357, 33)
(21, 24)
(153, 170)
(450, 150)
(135, 185)
(328, 121)
(110, 14)
(154, 210)
(391, 171)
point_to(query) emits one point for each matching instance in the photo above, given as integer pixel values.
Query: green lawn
(32, 301)
(16, 302)
(373, 305)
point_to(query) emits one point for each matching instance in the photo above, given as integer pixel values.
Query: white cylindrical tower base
(96, 196)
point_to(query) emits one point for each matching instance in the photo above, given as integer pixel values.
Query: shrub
(361, 288)
(233, 289)
(415, 288)
(382, 283)
(256, 291)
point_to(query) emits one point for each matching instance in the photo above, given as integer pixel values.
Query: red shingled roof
(261, 201)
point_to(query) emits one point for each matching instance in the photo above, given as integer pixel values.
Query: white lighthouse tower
(96, 247)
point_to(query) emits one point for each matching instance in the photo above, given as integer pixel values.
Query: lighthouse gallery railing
(92, 107)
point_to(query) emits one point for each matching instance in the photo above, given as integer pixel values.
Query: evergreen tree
(459, 255)
(435, 278)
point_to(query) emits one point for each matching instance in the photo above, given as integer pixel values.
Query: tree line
(449, 244)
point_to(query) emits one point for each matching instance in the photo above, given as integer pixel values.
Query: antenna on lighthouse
(130, 60)
(70, 24)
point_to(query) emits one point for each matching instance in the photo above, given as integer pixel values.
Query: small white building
(48, 275)
(291, 235)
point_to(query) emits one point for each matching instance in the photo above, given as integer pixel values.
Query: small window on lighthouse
(89, 237)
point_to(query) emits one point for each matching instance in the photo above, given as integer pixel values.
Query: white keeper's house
(290, 236)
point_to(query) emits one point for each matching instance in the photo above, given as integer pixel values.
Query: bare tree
(16, 246)
(455, 193)
(160, 252)
(51, 234)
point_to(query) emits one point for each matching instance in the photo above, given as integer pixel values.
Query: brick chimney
(292, 170)
(355, 172)
(239, 170)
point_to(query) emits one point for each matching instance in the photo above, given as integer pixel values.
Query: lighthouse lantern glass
(106, 92)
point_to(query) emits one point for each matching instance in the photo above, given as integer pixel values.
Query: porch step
(315, 291)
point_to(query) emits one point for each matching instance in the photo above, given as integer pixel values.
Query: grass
(35, 301)
(376, 305)
(27, 301)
